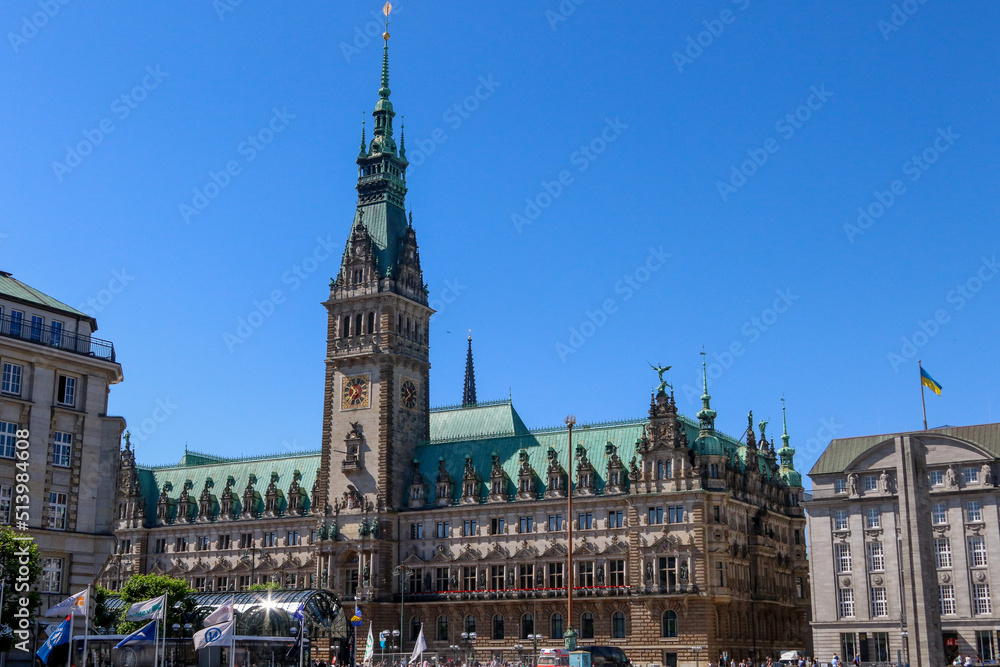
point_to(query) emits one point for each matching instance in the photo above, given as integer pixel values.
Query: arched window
(371, 323)
(669, 624)
(409, 331)
(587, 626)
(618, 625)
(470, 623)
(442, 629)
(527, 626)
(357, 324)
(659, 470)
(556, 626)
(414, 628)
(498, 626)
(345, 330)
(399, 324)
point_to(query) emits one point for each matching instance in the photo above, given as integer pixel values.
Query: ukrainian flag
(929, 382)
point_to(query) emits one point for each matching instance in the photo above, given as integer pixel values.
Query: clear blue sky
(666, 121)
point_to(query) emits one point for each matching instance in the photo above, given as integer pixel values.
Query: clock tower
(377, 363)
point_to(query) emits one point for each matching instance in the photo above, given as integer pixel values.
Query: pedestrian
(968, 660)
(836, 661)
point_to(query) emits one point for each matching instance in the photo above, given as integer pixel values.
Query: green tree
(20, 566)
(269, 586)
(180, 602)
(104, 617)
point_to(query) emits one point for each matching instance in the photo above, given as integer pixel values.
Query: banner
(59, 636)
(76, 605)
(217, 635)
(145, 633)
(419, 647)
(223, 614)
(147, 609)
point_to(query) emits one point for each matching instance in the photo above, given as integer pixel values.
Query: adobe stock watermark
(828, 429)
(265, 308)
(563, 11)
(957, 298)
(31, 24)
(626, 286)
(163, 410)
(116, 285)
(786, 127)
(454, 116)
(713, 30)
(363, 35)
(581, 158)
(122, 107)
(751, 331)
(900, 15)
(223, 7)
(248, 149)
(914, 168)
(446, 296)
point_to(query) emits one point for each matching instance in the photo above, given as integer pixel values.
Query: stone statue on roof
(660, 370)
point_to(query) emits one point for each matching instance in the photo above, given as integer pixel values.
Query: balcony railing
(57, 338)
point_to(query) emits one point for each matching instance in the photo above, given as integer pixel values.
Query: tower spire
(382, 141)
(469, 393)
(706, 416)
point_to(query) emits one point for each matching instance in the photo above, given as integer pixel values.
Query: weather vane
(385, 10)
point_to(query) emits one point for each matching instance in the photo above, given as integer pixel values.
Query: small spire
(469, 393)
(364, 151)
(411, 218)
(384, 91)
(706, 416)
(784, 424)
(402, 138)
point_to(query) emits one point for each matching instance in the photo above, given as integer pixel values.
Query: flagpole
(69, 653)
(923, 404)
(156, 642)
(86, 624)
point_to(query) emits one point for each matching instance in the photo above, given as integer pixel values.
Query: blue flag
(145, 633)
(59, 636)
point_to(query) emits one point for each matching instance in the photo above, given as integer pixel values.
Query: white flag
(216, 635)
(419, 647)
(223, 614)
(147, 609)
(77, 605)
(370, 646)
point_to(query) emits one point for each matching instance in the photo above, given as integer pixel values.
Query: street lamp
(906, 646)
(535, 638)
(697, 651)
(519, 648)
(454, 648)
(402, 571)
(468, 638)
(252, 553)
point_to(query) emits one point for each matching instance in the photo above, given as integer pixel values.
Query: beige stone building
(902, 532)
(55, 381)
(456, 520)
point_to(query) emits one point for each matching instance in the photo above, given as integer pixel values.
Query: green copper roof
(13, 288)
(386, 225)
(487, 419)
(840, 453)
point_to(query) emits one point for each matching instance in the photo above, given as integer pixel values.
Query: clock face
(408, 394)
(354, 394)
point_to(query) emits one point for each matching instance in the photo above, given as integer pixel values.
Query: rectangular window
(526, 576)
(977, 551)
(160, 546)
(55, 331)
(585, 572)
(873, 517)
(556, 575)
(441, 579)
(36, 327)
(939, 514)
(555, 522)
(52, 570)
(416, 581)
(8, 437)
(981, 599)
(469, 578)
(840, 520)
(846, 602)
(57, 511)
(616, 519)
(496, 577)
(970, 475)
(470, 527)
(416, 531)
(526, 524)
(800, 588)
(6, 500)
(497, 526)
(292, 538)
(848, 647)
(716, 513)
(655, 515)
(244, 582)
(16, 317)
(222, 583)
(616, 572)
(798, 536)
(936, 477)
(270, 539)
(946, 592)
(585, 520)
(942, 551)
(876, 558)
(181, 544)
(878, 647)
(973, 511)
(443, 529)
(840, 485)
(842, 557)
(11, 379)
(871, 483)
(720, 575)
(199, 584)
(984, 646)
(880, 603)
(675, 514)
(246, 540)
(225, 542)
(351, 582)
(203, 543)
(66, 393)
(62, 448)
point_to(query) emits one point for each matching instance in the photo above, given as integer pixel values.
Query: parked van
(553, 657)
(607, 656)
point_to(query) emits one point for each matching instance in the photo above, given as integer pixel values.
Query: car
(607, 656)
